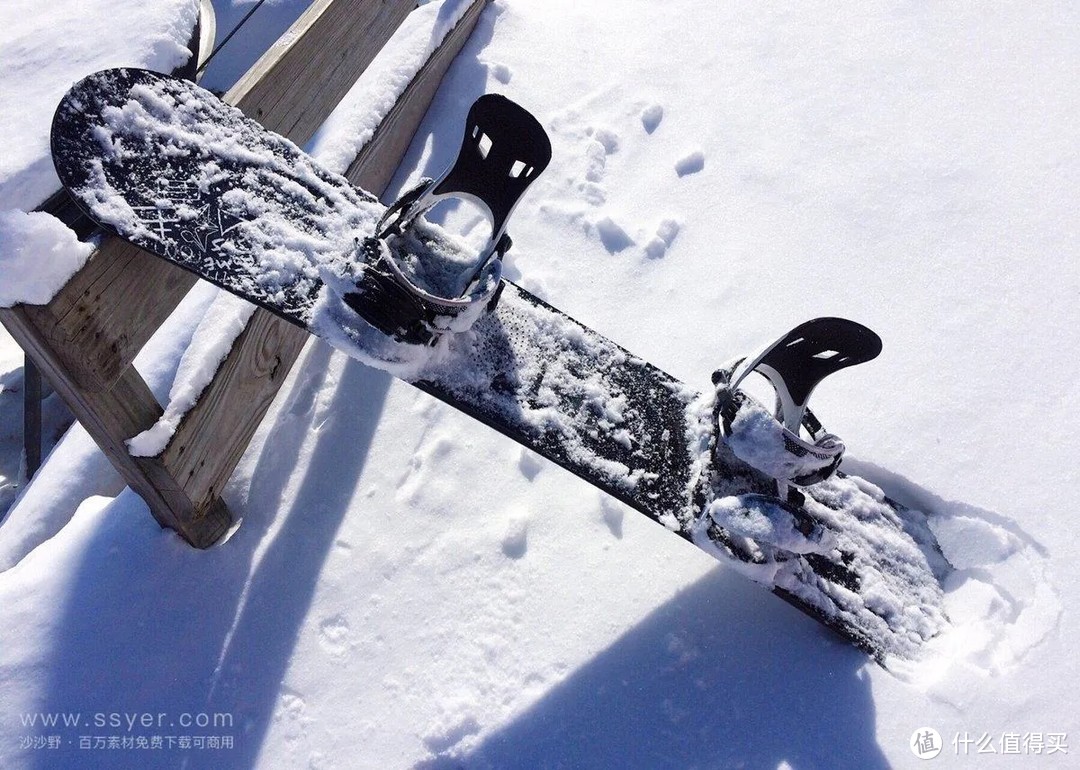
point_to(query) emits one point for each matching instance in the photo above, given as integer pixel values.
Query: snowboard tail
(170, 168)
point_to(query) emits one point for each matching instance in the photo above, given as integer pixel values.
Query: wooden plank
(228, 412)
(212, 437)
(316, 62)
(108, 310)
(376, 164)
(31, 416)
(110, 416)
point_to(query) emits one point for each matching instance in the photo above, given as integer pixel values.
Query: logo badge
(925, 743)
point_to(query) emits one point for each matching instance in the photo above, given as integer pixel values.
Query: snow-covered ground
(409, 589)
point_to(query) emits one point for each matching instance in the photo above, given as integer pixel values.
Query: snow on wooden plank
(214, 434)
(314, 64)
(374, 166)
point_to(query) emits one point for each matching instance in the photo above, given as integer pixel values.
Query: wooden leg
(31, 416)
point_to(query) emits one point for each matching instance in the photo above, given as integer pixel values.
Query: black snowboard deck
(167, 166)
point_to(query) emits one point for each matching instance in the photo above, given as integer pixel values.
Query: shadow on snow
(723, 675)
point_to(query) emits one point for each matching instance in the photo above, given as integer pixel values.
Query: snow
(760, 440)
(406, 588)
(38, 254)
(45, 52)
(353, 123)
(225, 319)
(765, 523)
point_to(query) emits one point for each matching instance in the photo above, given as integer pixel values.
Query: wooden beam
(375, 165)
(111, 416)
(108, 311)
(212, 437)
(214, 434)
(317, 61)
(31, 416)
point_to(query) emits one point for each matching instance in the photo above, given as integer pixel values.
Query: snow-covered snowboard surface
(168, 167)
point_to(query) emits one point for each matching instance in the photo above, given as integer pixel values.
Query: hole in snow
(484, 144)
(826, 354)
(517, 168)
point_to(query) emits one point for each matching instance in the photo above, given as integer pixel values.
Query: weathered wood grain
(111, 416)
(316, 62)
(375, 165)
(212, 437)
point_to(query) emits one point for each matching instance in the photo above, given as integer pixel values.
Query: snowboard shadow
(722, 675)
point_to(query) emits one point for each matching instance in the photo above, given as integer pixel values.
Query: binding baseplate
(795, 364)
(503, 150)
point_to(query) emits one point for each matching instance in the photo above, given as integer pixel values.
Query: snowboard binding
(504, 149)
(771, 440)
(770, 524)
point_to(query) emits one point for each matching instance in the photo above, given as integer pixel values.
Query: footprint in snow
(1001, 599)
(499, 71)
(612, 514)
(334, 635)
(435, 449)
(515, 541)
(595, 162)
(691, 163)
(606, 138)
(529, 464)
(292, 706)
(651, 117)
(665, 233)
(602, 143)
(442, 738)
(612, 235)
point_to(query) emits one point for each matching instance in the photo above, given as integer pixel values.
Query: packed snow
(38, 255)
(223, 322)
(406, 588)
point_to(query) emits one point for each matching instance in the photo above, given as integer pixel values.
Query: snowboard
(167, 166)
